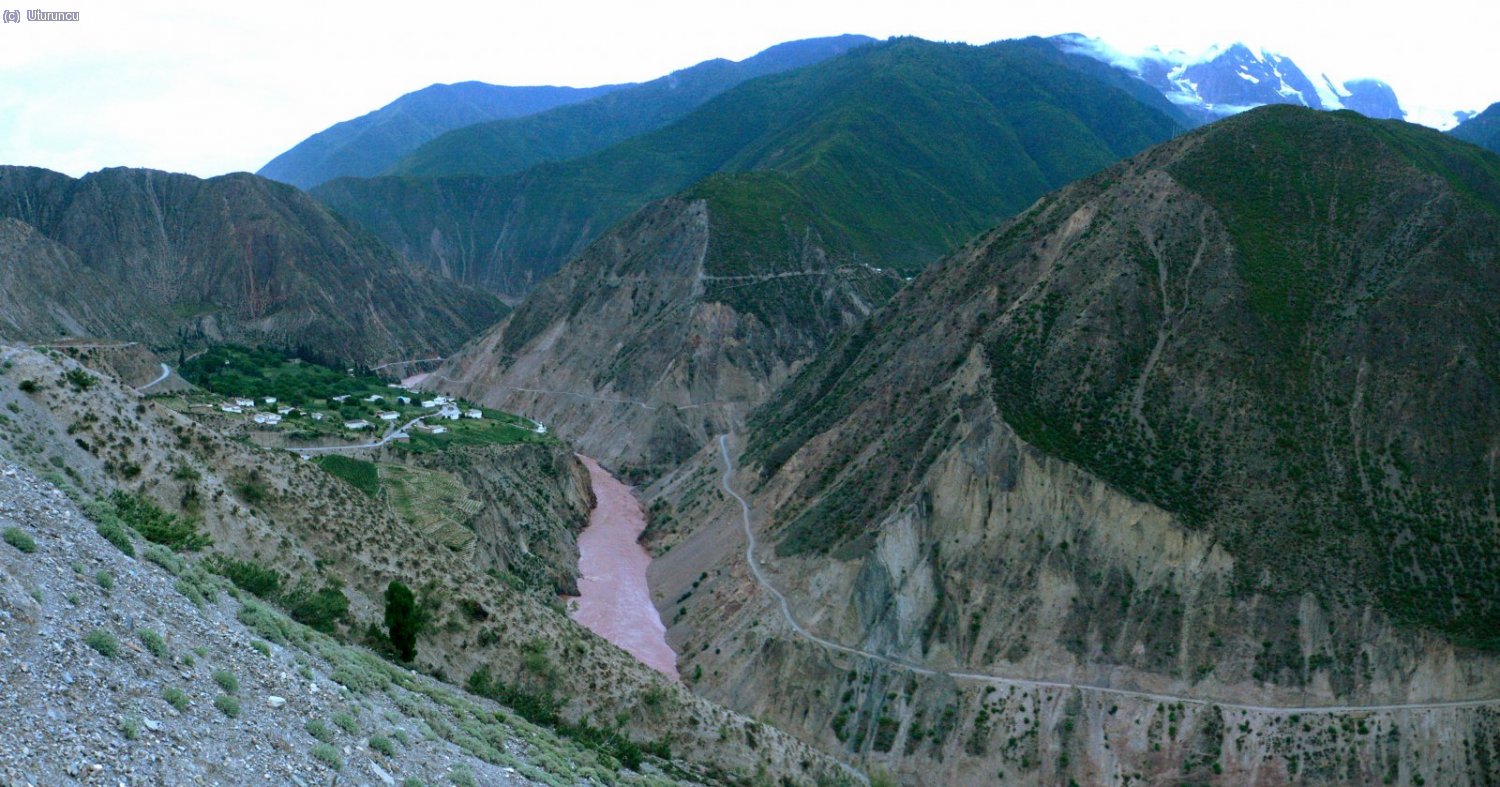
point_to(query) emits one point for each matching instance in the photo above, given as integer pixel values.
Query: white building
(284, 410)
(230, 408)
(388, 415)
(439, 429)
(357, 425)
(473, 412)
(429, 403)
(450, 412)
(271, 419)
(269, 399)
(244, 402)
(317, 416)
(374, 398)
(341, 399)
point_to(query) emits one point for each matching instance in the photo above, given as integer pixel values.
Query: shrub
(227, 705)
(227, 681)
(130, 727)
(104, 642)
(328, 755)
(322, 610)
(155, 525)
(261, 647)
(346, 722)
(461, 776)
(402, 619)
(155, 645)
(105, 581)
(175, 697)
(80, 379)
(319, 730)
(115, 534)
(383, 745)
(248, 576)
(28, 386)
(20, 539)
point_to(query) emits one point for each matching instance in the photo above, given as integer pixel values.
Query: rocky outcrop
(648, 344)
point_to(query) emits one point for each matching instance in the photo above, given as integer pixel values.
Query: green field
(361, 474)
(497, 428)
(431, 500)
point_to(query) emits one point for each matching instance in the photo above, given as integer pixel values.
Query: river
(614, 600)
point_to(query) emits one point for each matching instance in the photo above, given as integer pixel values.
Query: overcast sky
(214, 87)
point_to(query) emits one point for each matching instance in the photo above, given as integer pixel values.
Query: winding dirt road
(791, 621)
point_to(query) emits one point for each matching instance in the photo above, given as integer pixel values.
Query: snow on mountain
(1227, 79)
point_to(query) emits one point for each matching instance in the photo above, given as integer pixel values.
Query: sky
(214, 87)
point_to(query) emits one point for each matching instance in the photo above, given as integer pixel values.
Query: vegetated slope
(909, 147)
(371, 143)
(670, 327)
(1218, 422)
(163, 258)
(513, 145)
(333, 550)
(1483, 129)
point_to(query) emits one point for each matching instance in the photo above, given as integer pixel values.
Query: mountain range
(909, 147)
(1482, 129)
(164, 259)
(370, 144)
(1230, 79)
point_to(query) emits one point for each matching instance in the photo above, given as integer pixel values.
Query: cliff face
(649, 343)
(160, 258)
(1160, 433)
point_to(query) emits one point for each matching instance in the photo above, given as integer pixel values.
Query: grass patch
(319, 730)
(227, 705)
(346, 723)
(360, 474)
(227, 681)
(153, 642)
(383, 745)
(144, 516)
(103, 642)
(176, 697)
(20, 539)
(328, 755)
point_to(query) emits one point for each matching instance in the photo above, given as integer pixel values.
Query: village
(279, 401)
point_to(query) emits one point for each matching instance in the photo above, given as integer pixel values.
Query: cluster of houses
(446, 406)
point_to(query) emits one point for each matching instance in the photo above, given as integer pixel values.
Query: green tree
(402, 619)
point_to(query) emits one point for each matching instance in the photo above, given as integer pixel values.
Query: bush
(402, 619)
(227, 681)
(383, 745)
(248, 576)
(155, 525)
(155, 645)
(175, 697)
(105, 581)
(261, 647)
(20, 539)
(322, 610)
(115, 534)
(328, 756)
(346, 722)
(104, 642)
(227, 705)
(80, 379)
(28, 386)
(130, 727)
(319, 730)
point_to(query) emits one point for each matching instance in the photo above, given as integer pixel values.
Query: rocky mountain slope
(165, 259)
(1483, 129)
(371, 143)
(116, 670)
(1216, 425)
(506, 146)
(248, 512)
(1234, 78)
(908, 147)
